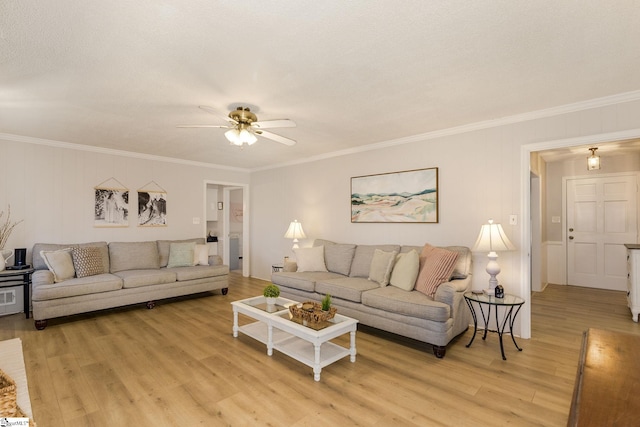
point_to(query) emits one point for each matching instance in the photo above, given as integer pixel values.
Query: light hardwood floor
(179, 365)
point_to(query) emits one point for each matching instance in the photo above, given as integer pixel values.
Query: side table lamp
(295, 232)
(492, 239)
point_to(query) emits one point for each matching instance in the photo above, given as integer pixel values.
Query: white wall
(480, 177)
(52, 189)
(473, 187)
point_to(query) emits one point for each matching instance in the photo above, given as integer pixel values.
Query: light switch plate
(196, 220)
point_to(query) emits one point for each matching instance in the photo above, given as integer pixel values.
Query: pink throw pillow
(436, 267)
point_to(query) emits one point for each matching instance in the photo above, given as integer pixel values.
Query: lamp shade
(492, 239)
(295, 231)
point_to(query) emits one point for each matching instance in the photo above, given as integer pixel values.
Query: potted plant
(271, 292)
(326, 302)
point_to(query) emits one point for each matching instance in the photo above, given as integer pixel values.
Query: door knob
(571, 229)
(570, 237)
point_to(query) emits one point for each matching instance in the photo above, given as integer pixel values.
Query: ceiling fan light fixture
(240, 135)
(247, 137)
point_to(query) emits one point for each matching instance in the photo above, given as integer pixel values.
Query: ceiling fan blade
(202, 126)
(277, 138)
(217, 113)
(279, 123)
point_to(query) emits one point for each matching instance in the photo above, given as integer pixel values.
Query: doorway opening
(527, 236)
(227, 223)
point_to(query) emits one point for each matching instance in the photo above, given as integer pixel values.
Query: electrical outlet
(513, 219)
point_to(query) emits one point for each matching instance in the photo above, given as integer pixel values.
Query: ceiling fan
(244, 126)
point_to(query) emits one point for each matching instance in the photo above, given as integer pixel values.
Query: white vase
(271, 301)
(4, 257)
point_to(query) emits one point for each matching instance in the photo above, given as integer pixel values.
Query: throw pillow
(59, 263)
(310, 259)
(381, 266)
(405, 271)
(201, 255)
(87, 261)
(338, 257)
(436, 266)
(181, 254)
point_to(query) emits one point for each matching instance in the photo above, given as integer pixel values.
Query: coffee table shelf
(276, 330)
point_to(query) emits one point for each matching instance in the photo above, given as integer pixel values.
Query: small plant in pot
(271, 293)
(326, 302)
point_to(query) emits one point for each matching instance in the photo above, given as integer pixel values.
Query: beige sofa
(435, 320)
(111, 275)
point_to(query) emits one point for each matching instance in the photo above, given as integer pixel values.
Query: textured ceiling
(122, 74)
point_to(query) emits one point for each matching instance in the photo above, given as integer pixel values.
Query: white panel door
(601, 218)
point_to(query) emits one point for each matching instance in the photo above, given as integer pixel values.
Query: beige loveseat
(78, 278)
(347, 277)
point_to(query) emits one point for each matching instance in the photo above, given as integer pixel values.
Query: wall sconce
(593, 161)
(295, 232)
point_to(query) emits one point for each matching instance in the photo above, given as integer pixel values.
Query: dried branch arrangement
(6, 227)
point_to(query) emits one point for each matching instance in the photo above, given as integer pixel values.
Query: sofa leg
(41, 324)
(225, 291)
(151, 304)
(439, 351)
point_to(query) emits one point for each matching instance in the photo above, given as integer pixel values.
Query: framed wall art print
(408, 197)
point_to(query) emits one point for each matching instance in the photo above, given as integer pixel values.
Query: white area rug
(12, 362)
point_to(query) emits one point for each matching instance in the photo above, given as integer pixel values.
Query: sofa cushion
(338, 257)
(199, 271)
(405, 271)
(59, 263)
(322, 242)
(77, 286)
(138, 278)
(133, 256)
(87, 261)
(436, 266)
(463, 262)
(181, 254)
(305, 281)
(348, 288)
(39, 264)
(413, 303)
(164, 246)
(363, 257)
(310, 259)
(381, 266)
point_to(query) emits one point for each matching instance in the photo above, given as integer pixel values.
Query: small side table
(12, 278)
(276, 268)
(510, 302)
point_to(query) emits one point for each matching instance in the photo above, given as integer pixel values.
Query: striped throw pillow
(436, 267)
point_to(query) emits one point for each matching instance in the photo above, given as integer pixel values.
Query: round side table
(512, 305)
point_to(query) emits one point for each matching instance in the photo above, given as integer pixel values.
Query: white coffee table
(275, 328)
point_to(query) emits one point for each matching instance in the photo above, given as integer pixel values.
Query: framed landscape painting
(409, 197)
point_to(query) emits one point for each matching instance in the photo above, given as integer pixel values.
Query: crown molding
(122, 153)
(517, 118)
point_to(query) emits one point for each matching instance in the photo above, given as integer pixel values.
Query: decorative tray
(311, 312)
